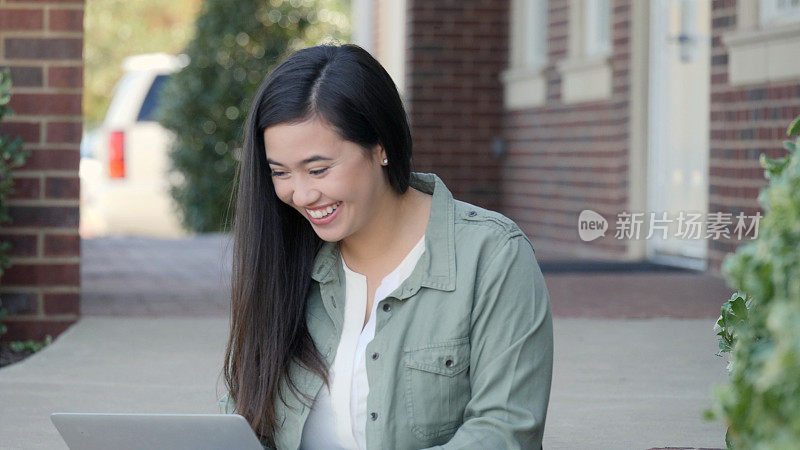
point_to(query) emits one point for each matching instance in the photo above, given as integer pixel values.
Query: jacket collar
(437, 265)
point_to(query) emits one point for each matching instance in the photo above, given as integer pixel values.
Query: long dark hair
(274, 245)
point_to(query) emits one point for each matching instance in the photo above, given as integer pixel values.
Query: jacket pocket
(437, 387)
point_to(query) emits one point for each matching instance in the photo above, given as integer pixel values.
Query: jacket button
(373, 416)
(374, 356)
(387, 307)
(472, 214)
(448, 363)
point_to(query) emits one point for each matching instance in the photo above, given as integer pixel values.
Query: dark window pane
(150, 105)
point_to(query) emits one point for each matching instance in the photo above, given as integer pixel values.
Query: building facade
(651, 115)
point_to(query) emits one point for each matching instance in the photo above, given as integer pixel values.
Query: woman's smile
(323, 216)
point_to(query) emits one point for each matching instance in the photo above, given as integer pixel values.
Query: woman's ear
(383, 158)
(380, 154)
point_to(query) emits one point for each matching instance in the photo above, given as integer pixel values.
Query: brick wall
(564, 158)
(746, 120)
(42, 42)
(455, 53)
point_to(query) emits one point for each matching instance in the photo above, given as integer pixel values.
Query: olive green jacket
(463, 351)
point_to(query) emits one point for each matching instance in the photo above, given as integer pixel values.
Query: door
(678, 124)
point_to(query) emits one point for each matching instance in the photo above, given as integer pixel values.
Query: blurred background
(624, 137)
(538, 109)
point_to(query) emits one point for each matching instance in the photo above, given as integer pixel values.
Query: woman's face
(313, 168)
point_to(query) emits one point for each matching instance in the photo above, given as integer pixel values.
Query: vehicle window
(151, 103)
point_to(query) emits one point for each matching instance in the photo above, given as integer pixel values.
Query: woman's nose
(304, 194)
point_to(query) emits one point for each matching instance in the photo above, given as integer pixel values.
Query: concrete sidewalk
(617, 384)
(625, 376)
(112, 364)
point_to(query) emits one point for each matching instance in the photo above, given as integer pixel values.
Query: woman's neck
(402, 219)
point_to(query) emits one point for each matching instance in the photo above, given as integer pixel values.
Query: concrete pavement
(112, 364)
(634, 352)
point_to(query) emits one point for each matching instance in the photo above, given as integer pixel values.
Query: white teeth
(322, 213)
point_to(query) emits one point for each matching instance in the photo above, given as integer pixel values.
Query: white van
(130, 195)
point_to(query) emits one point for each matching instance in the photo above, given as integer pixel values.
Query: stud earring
(385, 161)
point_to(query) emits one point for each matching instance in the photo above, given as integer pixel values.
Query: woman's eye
(276, 173)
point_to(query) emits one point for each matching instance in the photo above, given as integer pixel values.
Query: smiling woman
(339, 186)
(369, 308)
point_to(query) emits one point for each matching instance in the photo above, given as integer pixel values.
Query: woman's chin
(326, 234)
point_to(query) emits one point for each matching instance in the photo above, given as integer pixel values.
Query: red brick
(26, 76)
(60, 187)
(22, 330)
(25, 188)
(27, 131)
(44, 216)
(67, 76)
(62, 304)
(66, 19)
(42, 275)
(21, 19)
(20, 302)
(46, 104)
(56, 48)
(62, 245)
(21, 244)
(53, 160)
(64, 132)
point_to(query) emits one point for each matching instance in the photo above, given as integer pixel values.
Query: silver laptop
(99, 431)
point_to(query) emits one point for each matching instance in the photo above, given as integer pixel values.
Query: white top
(338, 418)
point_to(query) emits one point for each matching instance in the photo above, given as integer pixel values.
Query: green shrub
(30, 346)
(205, 104)
(761, 403)
(12, 155)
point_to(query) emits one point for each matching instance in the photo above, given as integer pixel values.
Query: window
(597, 40)
(766, 32)
(524, 83)
(776, 12)
(586, 71)
(150, 104)
(532, 24)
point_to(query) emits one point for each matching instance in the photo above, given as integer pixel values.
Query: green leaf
(739, 309)
(774, 167)
(794, 128)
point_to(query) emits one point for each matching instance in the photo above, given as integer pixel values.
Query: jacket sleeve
(511, 356)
